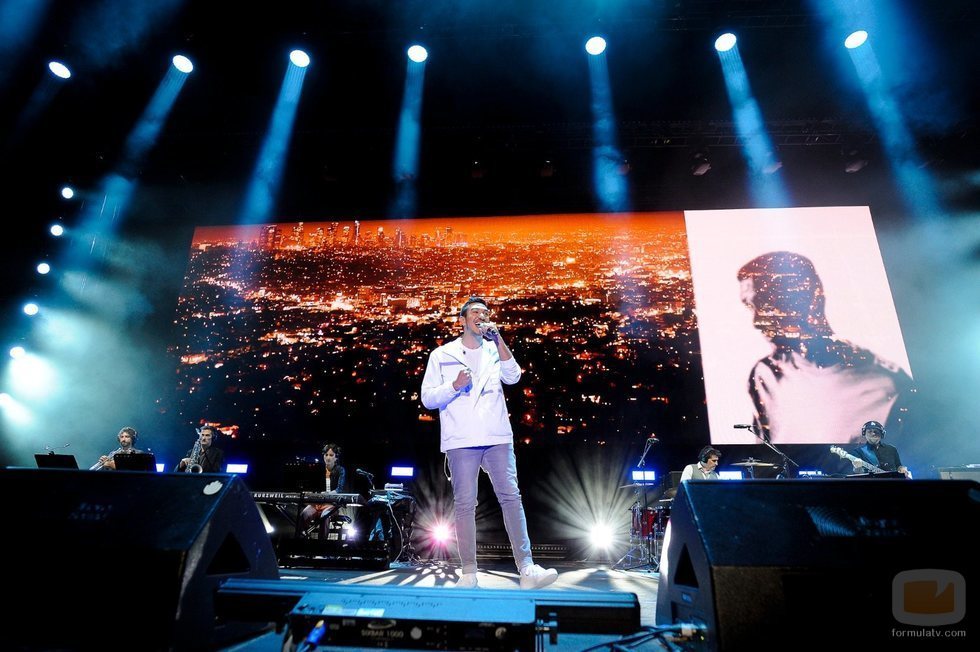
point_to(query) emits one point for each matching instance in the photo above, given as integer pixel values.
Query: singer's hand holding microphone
(489, 330)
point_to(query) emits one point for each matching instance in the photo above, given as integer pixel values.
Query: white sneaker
(535, 577)
(467, 581)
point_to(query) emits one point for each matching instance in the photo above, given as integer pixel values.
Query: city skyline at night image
(314, 331)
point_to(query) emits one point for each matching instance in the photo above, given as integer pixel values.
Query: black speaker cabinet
(780, 564)
(125, 560)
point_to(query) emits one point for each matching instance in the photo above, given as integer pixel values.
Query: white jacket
(477, 414)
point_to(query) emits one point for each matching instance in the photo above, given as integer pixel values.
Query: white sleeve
(436, 393)
(688, 473)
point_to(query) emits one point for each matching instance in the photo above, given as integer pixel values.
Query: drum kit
(648, 523)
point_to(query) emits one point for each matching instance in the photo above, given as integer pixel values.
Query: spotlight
(183, 64)
(402, 472)
(418, 54)
(59, 69)
(57, 230)
(67, 192)
(43, 268)
(31, 309)
(241, 469)
(441, 534)
(855, 39)
(17, 352)
(6, 399)
(601, 536)
(595, 45)
(299, 58)
(855, 160)
(725, 42)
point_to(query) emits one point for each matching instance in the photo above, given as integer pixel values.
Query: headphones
(128, 431)
(707, 452)
(873, 425)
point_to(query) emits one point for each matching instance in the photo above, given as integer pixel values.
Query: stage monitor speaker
(779, 564)
(126, 560)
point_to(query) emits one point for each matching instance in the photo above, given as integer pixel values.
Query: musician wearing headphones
(203, 457)
(705, 468)
(464, 380)
(877, 453)
(335, 481)
(127, 439)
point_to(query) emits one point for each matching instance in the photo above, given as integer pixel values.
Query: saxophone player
(204, 454)
(127, 439)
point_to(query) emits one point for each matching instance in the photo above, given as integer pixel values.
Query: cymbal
(751, 462)
(637, 485)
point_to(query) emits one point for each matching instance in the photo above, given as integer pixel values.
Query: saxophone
(195, 465)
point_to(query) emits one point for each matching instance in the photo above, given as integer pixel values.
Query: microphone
(487, 329)
(652, 439)
(744, 426)
(364, 473)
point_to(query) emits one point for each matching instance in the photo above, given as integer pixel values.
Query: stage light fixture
(59, 69)
(57, 230)
(43, 268)
(700, 164)
(183, 64)
(17, 352)
(725, 42)
(595, 45)
(418, 54)
(237, 468)
(67, 192)
(441, 534)
(299, 58)
(31, 309)
(855, 39)
(403, 472)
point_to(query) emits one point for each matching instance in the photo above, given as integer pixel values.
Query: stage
(495, 577)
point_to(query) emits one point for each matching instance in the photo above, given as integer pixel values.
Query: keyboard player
(314, 517)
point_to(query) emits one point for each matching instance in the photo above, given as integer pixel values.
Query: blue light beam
(263, 189)
(765, 182)
(608, 181)
(405, 168)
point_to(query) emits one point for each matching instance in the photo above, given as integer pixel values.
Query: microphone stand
(784, 470)
(639, 553)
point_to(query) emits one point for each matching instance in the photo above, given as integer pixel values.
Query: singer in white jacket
(464, 380)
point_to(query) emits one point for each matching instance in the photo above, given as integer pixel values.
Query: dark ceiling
(506, 85)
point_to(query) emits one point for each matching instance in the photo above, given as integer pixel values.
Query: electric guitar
(867, 466)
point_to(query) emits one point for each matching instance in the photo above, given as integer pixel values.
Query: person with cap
(464, 380)
(877, 453)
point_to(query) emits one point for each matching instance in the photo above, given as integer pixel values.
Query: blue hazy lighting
(725, 42)
(299, 58)
(405, 166)
(595, 45)
(43, 268)
(237, 468)
(643, 475)
(418, 54)
(31, 309)
(608, 180)
(855, 39)
(59, 69)
(730, 475)
(67, 192)
(403, 472)
(183, 64)
(17, 352)
(57, 230)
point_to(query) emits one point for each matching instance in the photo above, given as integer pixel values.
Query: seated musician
(335, 480)
(127, 440)
(876, 452)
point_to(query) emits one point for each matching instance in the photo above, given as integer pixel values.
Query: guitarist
(884, 456)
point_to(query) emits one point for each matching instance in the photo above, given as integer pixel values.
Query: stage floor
(573, 576)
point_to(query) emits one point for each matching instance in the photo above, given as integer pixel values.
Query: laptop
(135, 462)
(53, 461)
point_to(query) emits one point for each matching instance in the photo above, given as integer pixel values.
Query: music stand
(135, 462)
(53, 461)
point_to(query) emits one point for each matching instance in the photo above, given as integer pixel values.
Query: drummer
(705, 468)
